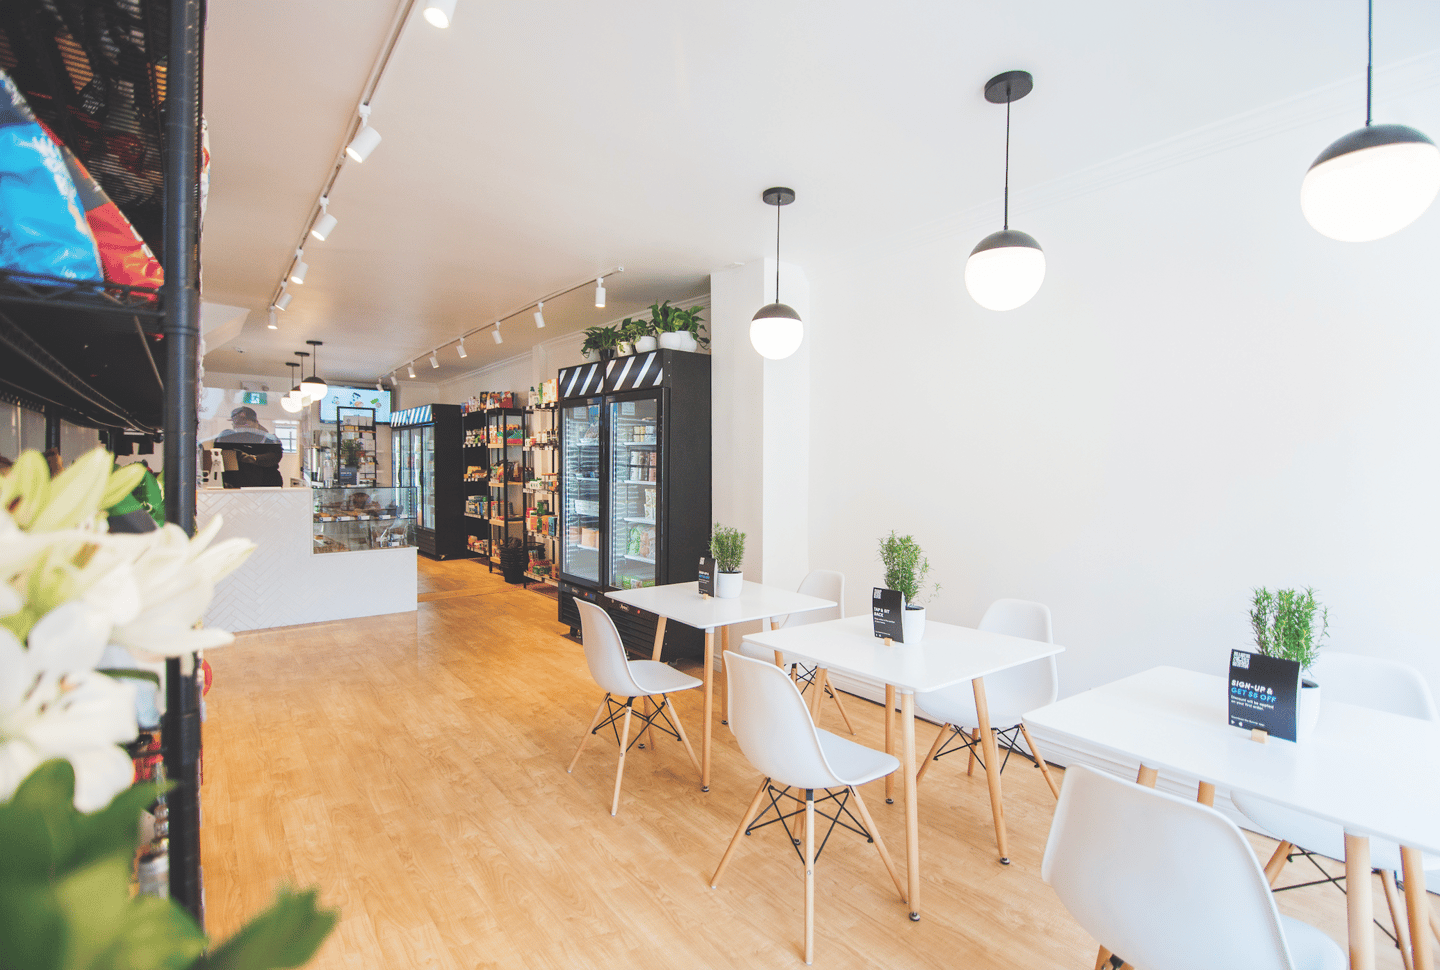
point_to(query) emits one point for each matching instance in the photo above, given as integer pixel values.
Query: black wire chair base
(805, 677)
(614, 711)
(1008, 740)
(841, 799)
(1327, 877)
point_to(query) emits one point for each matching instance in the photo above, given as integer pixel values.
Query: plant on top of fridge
(665, 318)
(727, 545)
(906, 568)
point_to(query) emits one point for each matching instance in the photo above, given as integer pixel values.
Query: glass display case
(357, 518)
(426, 455)
(634, 487)
(580, 474)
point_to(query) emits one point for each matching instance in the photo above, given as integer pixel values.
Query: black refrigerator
(634, 486)
(425, 456)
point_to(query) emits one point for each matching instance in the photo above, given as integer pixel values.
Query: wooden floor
(413, 767)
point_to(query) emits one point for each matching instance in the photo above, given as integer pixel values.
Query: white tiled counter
(283, 583)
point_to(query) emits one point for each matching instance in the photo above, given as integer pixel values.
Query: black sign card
(887, 606)
(707, 576)
(1263, 693)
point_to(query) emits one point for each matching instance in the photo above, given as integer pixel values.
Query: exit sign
(254, 397)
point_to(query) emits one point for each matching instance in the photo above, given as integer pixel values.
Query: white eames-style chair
(1167, 882)
(776, 734)
(1385, 685)
(826, 584)
(1009, 694)
(625, 680)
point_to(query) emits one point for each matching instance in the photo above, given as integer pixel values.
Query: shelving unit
(475, 458)
(542, 492)
(355, 438)
(505, 444)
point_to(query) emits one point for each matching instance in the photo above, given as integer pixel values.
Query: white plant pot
(1307, 710)
(645, 344)
(678, 341)
(728, 585)
(623, 349)
(912, 624)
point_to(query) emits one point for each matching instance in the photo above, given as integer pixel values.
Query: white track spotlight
(434, 361)
(272, 325)
(540, 315)
(410, 369)
(498, 339)
(460, 349)
(284, 300)
(298, 271)
(600, 292)
(440, 12)
(326, 223)
(365, 139)
(380, 385)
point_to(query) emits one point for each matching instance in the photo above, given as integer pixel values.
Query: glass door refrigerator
(426, 456)
(634, 486)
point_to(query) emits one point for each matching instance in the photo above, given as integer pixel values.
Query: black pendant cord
(1007, 164)
(1369, 55)
(777, 254)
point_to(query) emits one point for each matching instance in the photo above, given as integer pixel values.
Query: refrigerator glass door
(427, 477)
(580, 524)
(634, 539)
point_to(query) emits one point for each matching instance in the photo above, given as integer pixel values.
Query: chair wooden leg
(1414, 874)
(1276, 865)
(809, 876)
(934, 750)
(844, 715)
(992, 768)
(818, 686)
(745, 821)
(1397, 916)
(970, 766)
(1102, 958)
(681, 731)
(1205, 794)
(624, 743)
(599, 713)
(725, 687)
(879, 843)
(890, 740)
(1040, 760)
(1434, 922)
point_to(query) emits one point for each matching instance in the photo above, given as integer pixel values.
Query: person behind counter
(251, 452)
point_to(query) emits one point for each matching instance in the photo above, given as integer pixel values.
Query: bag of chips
(42, 223)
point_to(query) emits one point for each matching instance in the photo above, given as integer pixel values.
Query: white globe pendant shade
(1005, 270)
(1371, 183)
(776, 331)
(290, 404)
(314, 387)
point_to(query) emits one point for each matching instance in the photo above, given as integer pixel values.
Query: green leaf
(156, 935)
(32, 927)
(37, 825)
(285, 935)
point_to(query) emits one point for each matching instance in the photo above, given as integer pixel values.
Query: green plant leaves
(285, 935)
(1289, 623)
(727, 545)
(906, 568)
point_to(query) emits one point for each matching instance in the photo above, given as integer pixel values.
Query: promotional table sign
(887, 607)
(1264, 692)
(706, 576)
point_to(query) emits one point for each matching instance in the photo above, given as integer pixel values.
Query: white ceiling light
(460, 349)
(434, 361)
(540, 315)
(298, 271)
(315, 385)
(1374, 181)
(440, 12)
(600, 292)
(1006, 268)
(300, 394)
(271, 323)
(776, 329)
(326, 223)
(498, 339)
(290, 402)
(284, 300)
(365, 139)
(410, 369)
(380, 386)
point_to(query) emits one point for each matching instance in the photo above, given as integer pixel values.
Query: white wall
(1205, 396)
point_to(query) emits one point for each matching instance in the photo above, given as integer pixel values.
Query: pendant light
(315, 385)
(1006, 268)
(1374, 181)
(299, 393)
(776, 329)
(288, 402)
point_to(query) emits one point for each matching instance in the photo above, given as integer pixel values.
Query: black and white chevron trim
(636, 372)
(583, 381)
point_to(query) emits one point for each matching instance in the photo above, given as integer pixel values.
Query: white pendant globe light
(1006, 268)
(314, 385)
(300, 393)
(289, 402)
(1374, 181)
(776, 330)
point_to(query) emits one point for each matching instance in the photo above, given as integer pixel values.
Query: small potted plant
(905, 570)
(639, 333)
(1292, 624)
(676, 328)
(601, 341)
(727, 545)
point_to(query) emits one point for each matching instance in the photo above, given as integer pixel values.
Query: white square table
(1372, 772)
(947, 656)
(683, 603)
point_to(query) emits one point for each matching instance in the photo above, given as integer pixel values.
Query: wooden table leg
(890, 741)
(654, 655)
(1417, 907)
(992, 767)
(912, 808)
(1359, 903)
(725, 697)
(817, 693)
(709, 709)
(1206, 794)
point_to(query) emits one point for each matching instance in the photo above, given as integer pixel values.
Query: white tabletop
(948, 654)
(682, 602)
(1375, 773)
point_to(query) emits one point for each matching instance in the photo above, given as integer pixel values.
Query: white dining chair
(627, 680)
(1372, 682)
(1167, 882)
(772, 724)
(1009, 694)
(826, 584)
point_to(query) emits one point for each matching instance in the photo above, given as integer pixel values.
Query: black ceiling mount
(779, 195)
(1007, 87)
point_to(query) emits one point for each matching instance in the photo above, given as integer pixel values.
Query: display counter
(284, 582)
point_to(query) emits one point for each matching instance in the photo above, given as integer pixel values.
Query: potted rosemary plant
(1292, 624)
(727, 545)
(905, 570)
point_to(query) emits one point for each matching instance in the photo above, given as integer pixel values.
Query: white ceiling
(533, 145)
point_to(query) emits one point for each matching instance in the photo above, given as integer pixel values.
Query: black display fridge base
(637, 627)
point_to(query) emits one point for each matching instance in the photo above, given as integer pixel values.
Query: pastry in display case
(358, 518)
